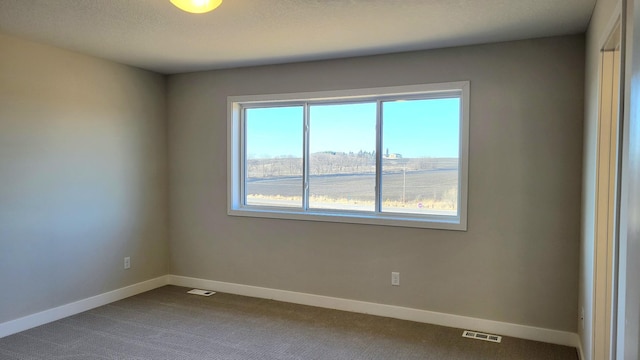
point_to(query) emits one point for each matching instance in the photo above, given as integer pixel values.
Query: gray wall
(83, 174)
(517, 263)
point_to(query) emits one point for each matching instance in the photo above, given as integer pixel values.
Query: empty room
(350, 179)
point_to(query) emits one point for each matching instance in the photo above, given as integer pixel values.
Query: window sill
(435, 222)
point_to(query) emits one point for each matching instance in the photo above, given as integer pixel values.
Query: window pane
(342, 164)
(420, 160)
(274, 156)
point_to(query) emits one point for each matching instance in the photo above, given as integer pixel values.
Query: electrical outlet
(127, 262)
(395, 278)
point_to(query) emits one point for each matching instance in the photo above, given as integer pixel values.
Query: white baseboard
(397, 312)
(47, 316)
(580, 350)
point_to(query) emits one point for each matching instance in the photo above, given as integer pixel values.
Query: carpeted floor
(167, 323)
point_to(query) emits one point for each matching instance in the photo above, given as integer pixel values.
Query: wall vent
(481, 336)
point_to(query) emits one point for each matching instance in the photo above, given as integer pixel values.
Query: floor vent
(201, 292)
(481, 336)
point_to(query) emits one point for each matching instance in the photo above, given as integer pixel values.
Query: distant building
(392, 156)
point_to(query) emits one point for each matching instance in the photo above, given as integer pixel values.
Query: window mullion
(305, 158)
(378, 188)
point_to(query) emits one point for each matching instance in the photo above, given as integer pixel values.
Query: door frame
(607, 192)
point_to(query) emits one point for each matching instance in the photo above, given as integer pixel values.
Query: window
(387, 156)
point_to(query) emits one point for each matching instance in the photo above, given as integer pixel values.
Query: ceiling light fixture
(196, 6)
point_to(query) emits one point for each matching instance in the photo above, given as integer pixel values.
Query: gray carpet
(167, 323)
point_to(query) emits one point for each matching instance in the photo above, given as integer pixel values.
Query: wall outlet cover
(395, 278)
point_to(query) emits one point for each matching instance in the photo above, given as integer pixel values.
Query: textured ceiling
(154, 35)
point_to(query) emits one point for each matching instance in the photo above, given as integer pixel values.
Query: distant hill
(328, 163)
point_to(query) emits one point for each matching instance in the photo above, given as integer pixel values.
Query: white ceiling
(154, 35)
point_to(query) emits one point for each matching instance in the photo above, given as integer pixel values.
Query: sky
(411, 128)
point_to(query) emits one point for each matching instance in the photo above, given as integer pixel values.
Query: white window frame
(235, 156)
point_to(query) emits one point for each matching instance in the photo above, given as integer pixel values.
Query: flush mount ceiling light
(196, 6)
